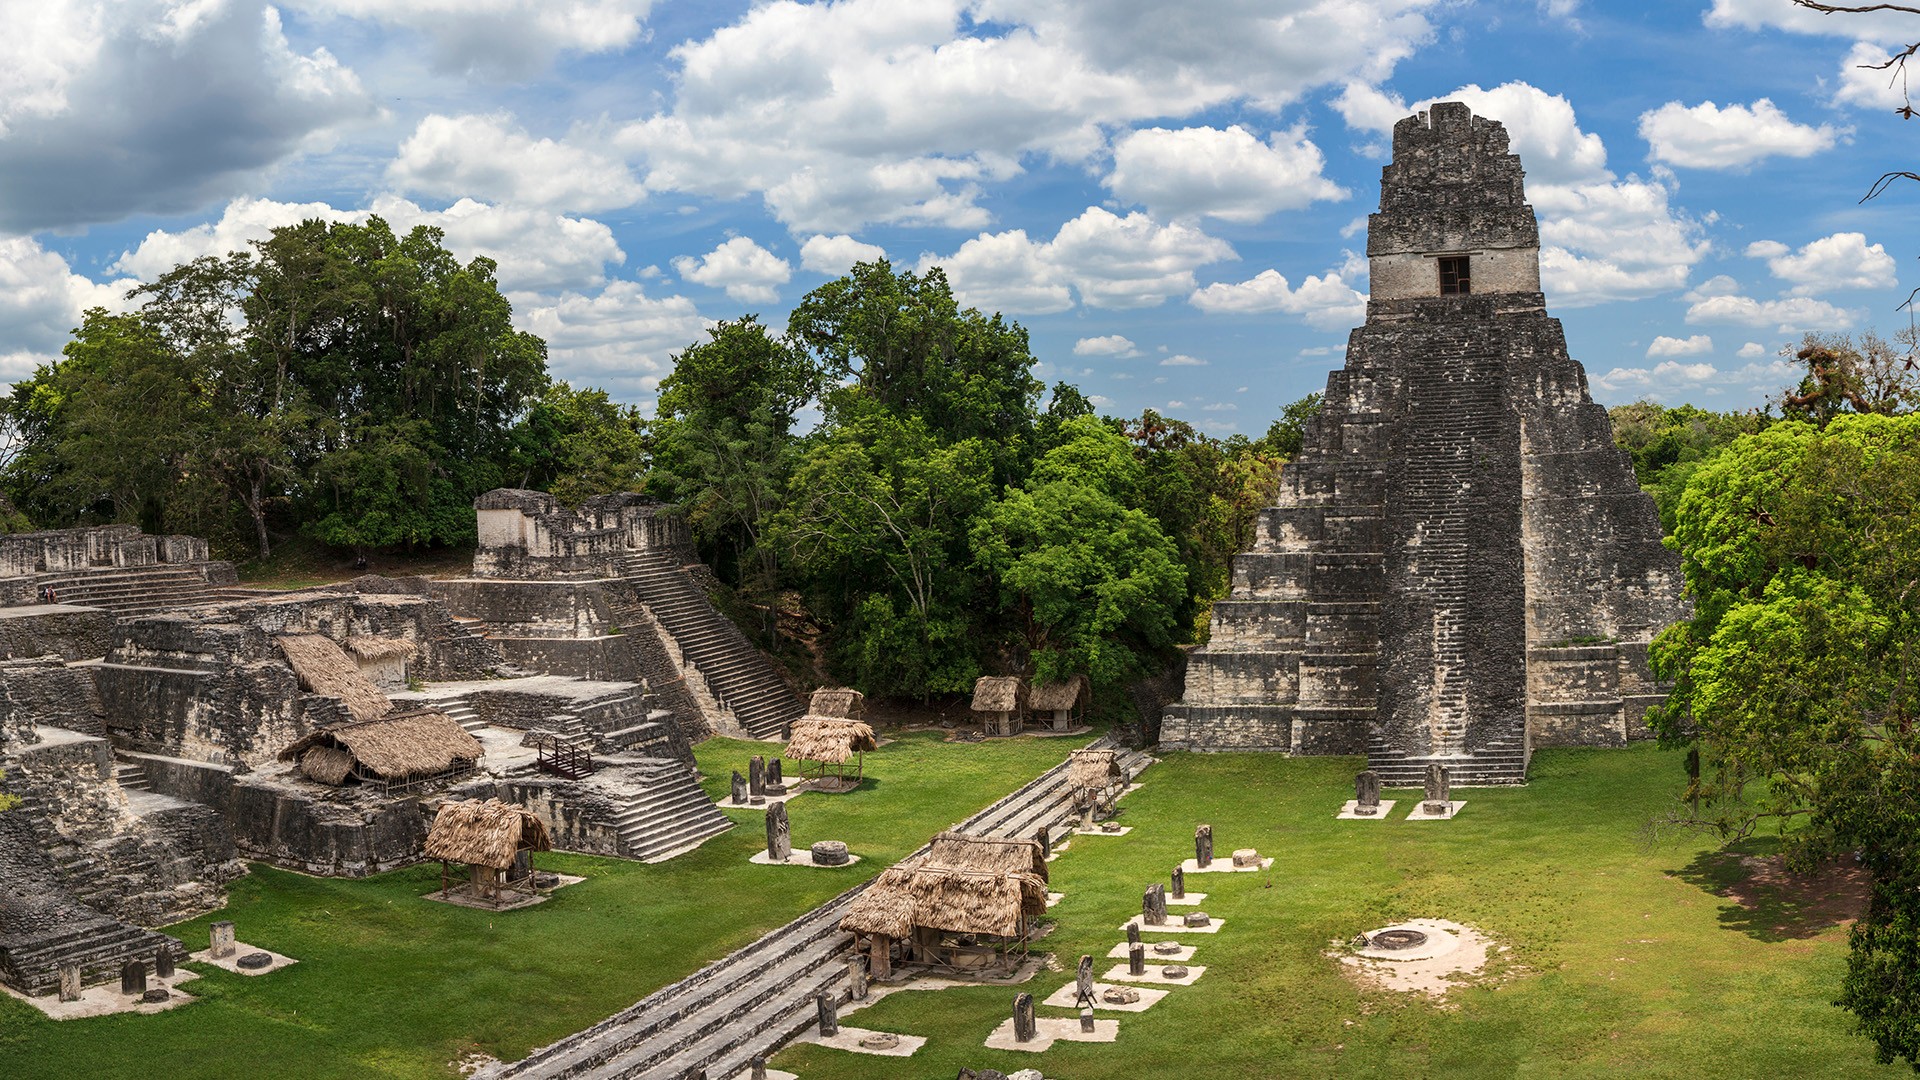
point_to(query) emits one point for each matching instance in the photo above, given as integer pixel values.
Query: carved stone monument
(70, 988)
(1245, 857)
(829, 1012)
(1179, 883)
(220, 940)
(1083, 980)
(163, 962)
(739, 789)
(758, 1069)
(1086, 1018)
(1133, 933)
(1457, 516)
(773, 773)
(1153, 905)
(1203, 846)
(1136, 959)
(133, 977)
(779, 836)
(1024, 1028)
(1366, 793)
(757, 775)
(1439, 791)
(857, 978)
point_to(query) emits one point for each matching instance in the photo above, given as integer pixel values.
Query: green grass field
(1623, 961)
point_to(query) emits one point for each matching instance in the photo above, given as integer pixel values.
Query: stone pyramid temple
(1461, 565)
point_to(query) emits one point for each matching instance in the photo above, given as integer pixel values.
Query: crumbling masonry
(1460, 565)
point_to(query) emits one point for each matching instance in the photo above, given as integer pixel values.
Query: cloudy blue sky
(1171, 197)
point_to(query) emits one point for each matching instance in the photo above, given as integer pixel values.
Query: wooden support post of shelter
(820, 743)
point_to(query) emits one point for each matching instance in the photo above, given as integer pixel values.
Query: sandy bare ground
(1452, 955)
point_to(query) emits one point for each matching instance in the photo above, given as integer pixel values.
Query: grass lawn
(389, 985)
(1623, 961)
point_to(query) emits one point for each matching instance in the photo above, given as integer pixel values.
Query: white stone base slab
(1188, 900)
(1212, 927)
(848, 1038)
(240, 949)
(793, 792)
(1119, 952)
(1121, 831)
(772, 1074)
(106, 999)
(1349, 811)
(1046, 1030)
(1055, 897)
(1420, 812)
(1067, 997)
(800, 857)
(1118, 973)
(1223, 864)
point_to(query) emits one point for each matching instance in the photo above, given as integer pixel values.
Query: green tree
(877, 523)
(1845, 376)
(581, 443)
(1093, 583)
(908, 346)
(1796, 676)
(723, 434)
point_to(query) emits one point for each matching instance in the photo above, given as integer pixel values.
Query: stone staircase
(736, 673)
(751, 1002)
(131, 776)
(672, 815)
(460, 712)
(100, 946)
(143, 590)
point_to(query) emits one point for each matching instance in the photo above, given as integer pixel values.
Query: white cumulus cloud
(1841, 261)
(41, 299)
(1110, 345)
(500, 39)
(1751, 349)
(1866, 83)
(1228, 174)
(746, 270)
(619, 338)
(490, 159)
(1671, 346)
(1789, 316)
(1106, 260)
(1324, 302)
(1183, 360)
(835, 255)
(1707, 136)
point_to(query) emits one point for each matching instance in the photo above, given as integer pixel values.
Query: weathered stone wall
(71, 633)
(46, 692)
(528, 535)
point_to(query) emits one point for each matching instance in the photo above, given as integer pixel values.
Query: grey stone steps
(130, 777)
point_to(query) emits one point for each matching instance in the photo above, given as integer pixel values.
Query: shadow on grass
(1768, 903)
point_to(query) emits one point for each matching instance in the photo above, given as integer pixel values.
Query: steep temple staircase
(736, 673)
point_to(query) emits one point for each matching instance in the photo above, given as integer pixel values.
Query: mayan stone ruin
(160, 723)
(1460, 565)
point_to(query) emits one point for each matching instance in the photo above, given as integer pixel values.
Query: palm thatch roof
(1094, 769)
(395, 747)
(380, 648)
(963, 885)
(327, 764)
(1071, 693)
(828, 739)
(999, 693)
(839, 702)
(486, 833)
(323, 669)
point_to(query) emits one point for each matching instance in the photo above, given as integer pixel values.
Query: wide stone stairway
(751, 1002)
(672, 815)
(133, 591)
(736, 673)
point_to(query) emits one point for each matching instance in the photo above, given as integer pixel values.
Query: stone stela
(1203, 846)
(779, 836)
(1460, 564)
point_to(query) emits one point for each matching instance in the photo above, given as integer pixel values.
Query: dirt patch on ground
(1452, 957)
(1801, 905)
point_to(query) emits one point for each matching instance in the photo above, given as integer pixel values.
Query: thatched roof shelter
(839, 702)
(999, 694)
(829, 739)
(963, 885)
(489, 833)
(1094, 769)
(327, 764)
(323, 669)
(396, 747)
(1074, 692)
(380, 648)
